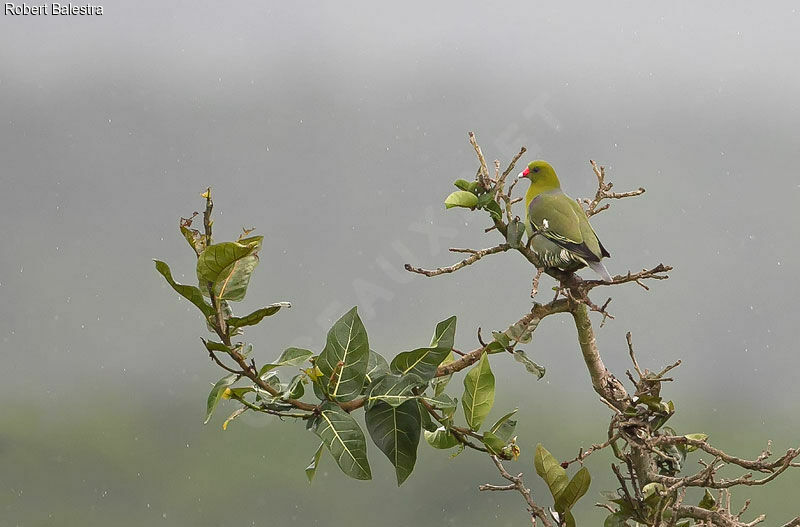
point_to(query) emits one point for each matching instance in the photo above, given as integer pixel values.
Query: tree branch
(518, 484)
(475, 256)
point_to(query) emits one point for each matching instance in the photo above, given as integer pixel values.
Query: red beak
(526, 172)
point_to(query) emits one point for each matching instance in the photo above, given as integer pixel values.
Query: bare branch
(518, 484)
(658, 272)
(760, 465)
(475, 256)
(603, 192)
(716, 518)
(584, 454)
(535, 285)
(513, 162)
(629, 338)
(483, 176)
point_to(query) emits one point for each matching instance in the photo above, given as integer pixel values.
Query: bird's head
(542, 175)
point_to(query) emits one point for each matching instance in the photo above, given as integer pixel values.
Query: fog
(336, 129)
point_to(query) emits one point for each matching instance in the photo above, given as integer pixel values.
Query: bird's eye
(535, 169)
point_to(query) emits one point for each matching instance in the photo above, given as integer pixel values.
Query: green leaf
(651, 401)
(461, 198)
(311, 469)
(376, 366)
(531, 366)
(441, 402)
(494, 443)
(289, 357)
(502, 339)
(478, 396)
(427, 422)
(521, 331)
(494, 210)
(189, 292)
(251, 240)
(271, 378)
(424, 361)
(228, 266)
(344, 439)
(196, 240)
(514, 233)
(440, 383)
(235, 278)
(441, 438)
(444, 335)
(421, 362)
(660, 420)
(213, 261)
(486, 198)
(696, 437)
(256, 316)
(395, 430)
(468, 186)
(319, 389)
(216, 394)
(550, 470)
(237, 393)
(494, 347)
(461, 448)
(505, 426)
(393, 389)
(708, 502)
(574, 490)
(215, 346)
(346, 355)
(295, 388)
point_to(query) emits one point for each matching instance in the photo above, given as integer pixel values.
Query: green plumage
(561, 235)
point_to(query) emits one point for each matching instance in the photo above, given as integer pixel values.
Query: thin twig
(518, 484)
(483, 177)
(603, 192)
(475, 256)
(536, 277)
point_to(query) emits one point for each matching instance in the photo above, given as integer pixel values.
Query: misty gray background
(337, 129)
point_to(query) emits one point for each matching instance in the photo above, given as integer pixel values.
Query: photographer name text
(52, 9)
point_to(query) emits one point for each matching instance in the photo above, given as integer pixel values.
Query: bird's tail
(600, 269)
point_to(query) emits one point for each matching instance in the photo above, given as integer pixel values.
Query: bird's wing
(555, 217)
(589, 236)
